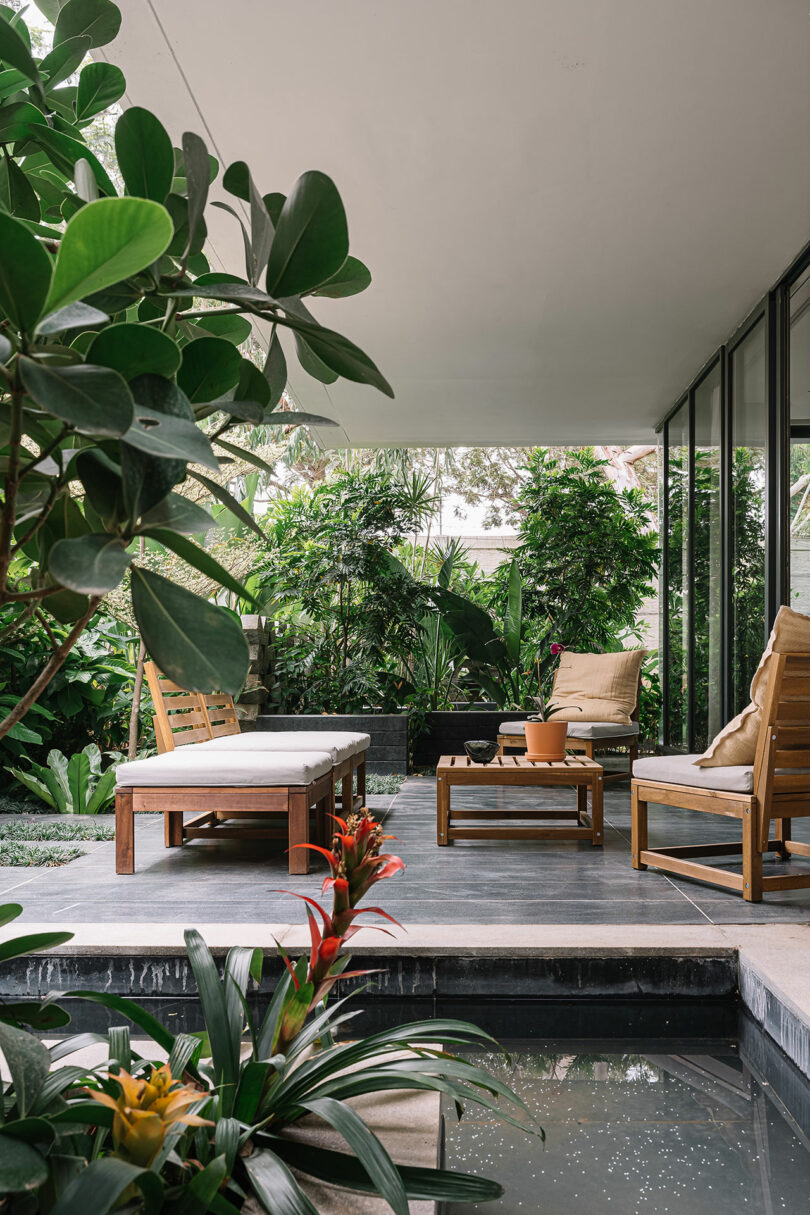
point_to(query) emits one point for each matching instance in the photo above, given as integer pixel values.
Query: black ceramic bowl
(481, 750)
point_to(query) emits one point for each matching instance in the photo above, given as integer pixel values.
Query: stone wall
(249, 704)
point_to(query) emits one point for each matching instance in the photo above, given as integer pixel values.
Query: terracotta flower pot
(546, 739)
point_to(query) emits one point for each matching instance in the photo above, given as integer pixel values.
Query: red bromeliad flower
(356, 864)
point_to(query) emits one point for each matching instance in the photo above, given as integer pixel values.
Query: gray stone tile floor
(502, 881)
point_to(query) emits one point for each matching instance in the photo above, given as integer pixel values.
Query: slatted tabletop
(583, 774)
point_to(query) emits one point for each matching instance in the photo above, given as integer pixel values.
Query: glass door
(799, 474)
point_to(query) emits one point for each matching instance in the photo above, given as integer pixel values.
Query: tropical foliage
(72, 786)
(209, 1129)
(584, 549)
(120, 367)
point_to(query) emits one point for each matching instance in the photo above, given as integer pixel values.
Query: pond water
(667, 1125)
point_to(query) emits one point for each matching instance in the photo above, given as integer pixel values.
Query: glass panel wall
(747, 372)
(677, 576)
(707, 603)
(736, 509)
(799, 472)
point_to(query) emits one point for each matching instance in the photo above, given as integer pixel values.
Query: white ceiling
(566, 205)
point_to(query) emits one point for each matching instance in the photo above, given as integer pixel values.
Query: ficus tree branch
(49, 670)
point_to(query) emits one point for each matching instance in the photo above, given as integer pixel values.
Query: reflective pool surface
(666, 1128)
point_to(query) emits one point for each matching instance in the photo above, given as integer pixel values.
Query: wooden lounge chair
(184, 718)
(219, 790)
(590, 737)
(776, 787)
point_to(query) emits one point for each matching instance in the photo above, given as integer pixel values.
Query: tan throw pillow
(737, 742)
(603, 686)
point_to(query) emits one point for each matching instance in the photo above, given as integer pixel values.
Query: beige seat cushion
(737, 742)
(681, 770)
(597, 687)
(191, 766)
(577, 729)
(341, 744)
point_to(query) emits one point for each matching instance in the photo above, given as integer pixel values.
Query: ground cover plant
(49, 830)
(213, 1126)
(19, 854)
(120, 367)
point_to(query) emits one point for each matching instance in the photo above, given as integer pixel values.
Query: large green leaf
(16, 193)
(148, 478)
(234, 329)
(25, 274)
(108, 240)
(89, 565)
(311, 241)
(28, 1064)
(195, 160)
(11, 82)
(15, 52)
(129, 1009)
(227, 499)
(352, 278)
(78, 773)
(63, 60)
(22, 1167)
(223, 1024)
(513, 622)
(134, 350)
(367, 1147)
(65, 152)
(210, 367)
(275, 1186)
(17, 947)
(98, 20)
(338, 353)
(145, 155)
(343, 1170)
(101, 478)
(200, 559)
(100, 86)
(95, 400)
(198, 645)
(275, 371)
(180, 514)
(169, 438)
(20, 120)
(99, 1187)
(73, 316)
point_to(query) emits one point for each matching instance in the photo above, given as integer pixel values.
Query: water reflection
(638, 1134)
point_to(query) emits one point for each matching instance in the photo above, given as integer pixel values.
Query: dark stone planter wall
(389, 733)
(446, 733)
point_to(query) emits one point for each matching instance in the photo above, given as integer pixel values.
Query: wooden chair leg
(597, 810)
(172, 828)
(124, 832)
(639, 828)
(783, 834)
(298, 829)
(633, 757)
(442, 810)
(347, 793)
(361, 781)
(751, 857)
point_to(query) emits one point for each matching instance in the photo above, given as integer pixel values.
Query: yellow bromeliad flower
(145, 1110)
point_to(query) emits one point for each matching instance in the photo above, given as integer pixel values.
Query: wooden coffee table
(581, 773)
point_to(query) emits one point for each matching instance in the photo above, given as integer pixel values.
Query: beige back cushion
(737, 742)
(603, 686)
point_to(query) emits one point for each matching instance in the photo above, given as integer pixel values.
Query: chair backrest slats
(784, 733)
(183, 717)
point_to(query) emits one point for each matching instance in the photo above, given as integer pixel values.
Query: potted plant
(545, 739)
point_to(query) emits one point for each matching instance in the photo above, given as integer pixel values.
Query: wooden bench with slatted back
(180, 717)
(188, 717)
